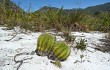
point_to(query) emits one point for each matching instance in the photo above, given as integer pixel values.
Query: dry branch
(13, 36)
(21, 61)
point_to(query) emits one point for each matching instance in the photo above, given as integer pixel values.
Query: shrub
(103, 21)
(70, 38)
(81, 44)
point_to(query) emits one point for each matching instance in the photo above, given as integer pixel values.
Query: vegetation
(61, 20)
(70, 39)
(57, 63)
(97, 8)
(53, 18)
(81, 56)
(81, 44)
(103, 22)
(48, 18)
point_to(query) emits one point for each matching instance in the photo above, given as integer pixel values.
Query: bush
(81, 44)
(103, 21)
(70, 38)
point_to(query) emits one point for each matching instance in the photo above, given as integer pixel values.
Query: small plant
(57, 63)
(81, 44)
(81, 56)
(70, 39)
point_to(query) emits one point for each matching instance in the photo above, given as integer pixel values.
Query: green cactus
(61, 51)
(44, 44)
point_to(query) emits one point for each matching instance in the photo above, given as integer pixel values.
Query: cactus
(60, 51)
(44, 44)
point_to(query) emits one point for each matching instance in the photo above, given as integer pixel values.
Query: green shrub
(81, 44)
(70, 38)
(103, 22)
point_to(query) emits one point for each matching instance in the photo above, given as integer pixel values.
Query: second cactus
(60, 51)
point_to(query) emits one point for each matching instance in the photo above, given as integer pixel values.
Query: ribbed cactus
(61, 51)
(44, 44)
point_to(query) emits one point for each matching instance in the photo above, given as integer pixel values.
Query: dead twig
(21, 61)
(13, 36)
(109, 60)
(79, 61)
(90, 51)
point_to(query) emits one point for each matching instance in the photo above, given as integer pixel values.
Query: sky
(67, 4)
